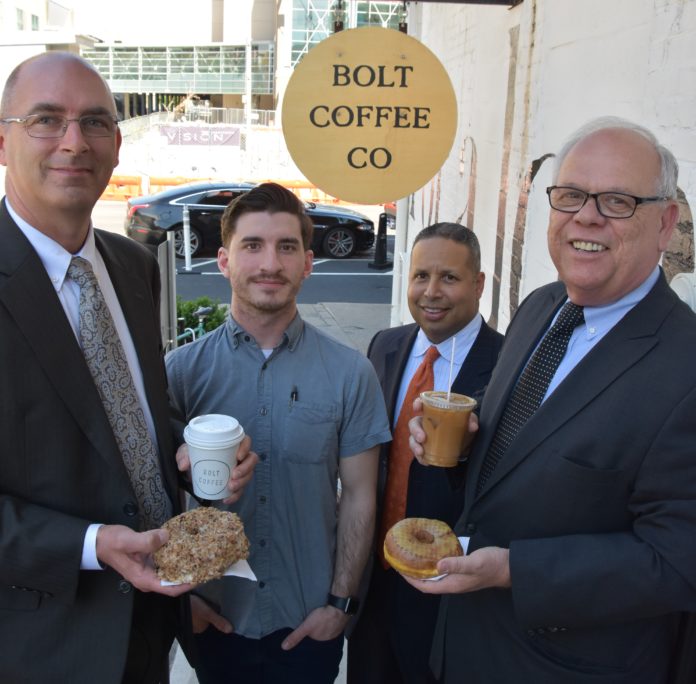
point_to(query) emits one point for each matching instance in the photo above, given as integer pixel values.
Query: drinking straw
(449, 382)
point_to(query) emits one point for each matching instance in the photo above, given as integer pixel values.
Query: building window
(20, 19)
(34, 22)
(312, 20)
(177, 69)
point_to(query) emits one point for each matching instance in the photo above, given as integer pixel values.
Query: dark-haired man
(390, 643)
(313, 409)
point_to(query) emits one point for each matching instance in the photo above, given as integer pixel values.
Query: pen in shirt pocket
(294, 396)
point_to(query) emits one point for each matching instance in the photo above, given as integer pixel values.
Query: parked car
(338, 232)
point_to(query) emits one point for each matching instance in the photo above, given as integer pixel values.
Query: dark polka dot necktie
(531, 387)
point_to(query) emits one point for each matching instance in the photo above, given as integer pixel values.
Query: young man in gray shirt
(315, 413)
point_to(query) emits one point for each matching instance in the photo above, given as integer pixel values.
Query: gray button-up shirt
(311, 402)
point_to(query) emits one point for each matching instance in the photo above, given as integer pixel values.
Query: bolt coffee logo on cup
(212, 441)
(369, 115)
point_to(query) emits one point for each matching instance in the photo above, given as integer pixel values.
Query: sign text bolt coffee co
(369, 115)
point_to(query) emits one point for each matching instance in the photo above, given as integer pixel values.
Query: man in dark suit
(582, 519)
(79, 598)
(391, 640)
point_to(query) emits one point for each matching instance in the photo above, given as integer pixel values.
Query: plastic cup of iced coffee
(446, 422)
(213, 440)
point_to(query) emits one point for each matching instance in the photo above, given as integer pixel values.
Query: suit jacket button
(125, 587)
(470, 528)
(130, 509)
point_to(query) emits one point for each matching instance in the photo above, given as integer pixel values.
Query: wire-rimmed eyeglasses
(609, 204)
(55, 125)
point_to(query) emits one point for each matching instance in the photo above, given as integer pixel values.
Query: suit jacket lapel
(394, 363)
(513, 357)
(629, 340)
(30, 298)
(477, 363)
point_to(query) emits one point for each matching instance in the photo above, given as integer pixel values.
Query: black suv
(338, 232)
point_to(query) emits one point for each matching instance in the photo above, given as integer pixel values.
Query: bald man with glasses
(87, 469)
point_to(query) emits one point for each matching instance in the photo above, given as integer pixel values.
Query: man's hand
(239, 477)
(484, 569)
(418, 437)
(129, 553)
(202, 616)
(322, 624)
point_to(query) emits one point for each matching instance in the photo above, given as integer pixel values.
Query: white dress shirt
(599, 320)
(463, 341)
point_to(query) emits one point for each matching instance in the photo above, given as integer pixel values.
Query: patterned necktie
(400, 455)
(531, 387)
(107, 363)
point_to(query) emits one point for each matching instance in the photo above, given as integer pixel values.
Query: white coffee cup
(213, 440)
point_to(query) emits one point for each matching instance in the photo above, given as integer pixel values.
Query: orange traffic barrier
(124, 187)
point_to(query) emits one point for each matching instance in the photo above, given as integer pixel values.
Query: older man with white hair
(580, 501)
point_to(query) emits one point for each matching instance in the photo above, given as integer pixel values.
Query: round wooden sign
(369, 115)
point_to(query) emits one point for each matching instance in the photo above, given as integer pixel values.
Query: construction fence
(122, 188)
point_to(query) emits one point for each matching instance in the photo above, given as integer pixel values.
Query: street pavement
(350, 323)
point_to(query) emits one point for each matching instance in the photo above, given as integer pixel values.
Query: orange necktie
(400, 455)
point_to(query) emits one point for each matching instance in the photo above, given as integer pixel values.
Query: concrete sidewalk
(354, 325)
(351, 323)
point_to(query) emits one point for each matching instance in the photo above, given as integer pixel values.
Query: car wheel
(339, 243)
(195, 241)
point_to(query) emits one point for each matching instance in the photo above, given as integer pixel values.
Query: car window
(220, 198)
(189, 199)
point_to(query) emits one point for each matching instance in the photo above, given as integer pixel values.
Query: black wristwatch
(347, 605)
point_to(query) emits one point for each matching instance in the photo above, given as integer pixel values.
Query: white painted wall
(576, 60)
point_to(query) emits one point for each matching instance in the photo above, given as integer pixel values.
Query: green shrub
(186, 311)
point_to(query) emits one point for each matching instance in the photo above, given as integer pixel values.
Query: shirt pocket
(310, 434)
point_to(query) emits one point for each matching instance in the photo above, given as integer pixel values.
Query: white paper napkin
(464, 541)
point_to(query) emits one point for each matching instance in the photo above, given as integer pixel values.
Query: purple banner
(201, 135)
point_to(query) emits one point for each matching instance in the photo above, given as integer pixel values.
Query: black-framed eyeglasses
(55, 125)
(609, 204)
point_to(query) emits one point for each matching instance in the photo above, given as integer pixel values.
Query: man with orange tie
(390, 643)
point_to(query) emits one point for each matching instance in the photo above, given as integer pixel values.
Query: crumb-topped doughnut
(414, 546)
(202, 544)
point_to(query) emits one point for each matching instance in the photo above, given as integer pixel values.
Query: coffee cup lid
(213, 429)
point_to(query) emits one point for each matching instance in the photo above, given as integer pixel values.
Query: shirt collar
(291, 336)
(54, 257)
(463, 339)
(600, 319)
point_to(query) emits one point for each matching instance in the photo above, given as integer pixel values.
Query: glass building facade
(313, 20)
(185, 69)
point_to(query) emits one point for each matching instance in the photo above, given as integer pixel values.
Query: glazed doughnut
(202, 544)
(414, 546)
